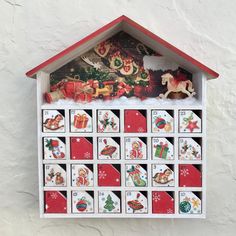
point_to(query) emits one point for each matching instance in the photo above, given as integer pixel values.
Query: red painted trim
(172, 48)
(120, 19)
(74, 46)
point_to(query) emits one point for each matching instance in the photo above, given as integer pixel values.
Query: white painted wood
(43, 86)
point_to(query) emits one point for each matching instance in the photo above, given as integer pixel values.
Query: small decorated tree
(109, 203)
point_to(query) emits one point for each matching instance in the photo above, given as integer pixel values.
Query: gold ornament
(168, 127)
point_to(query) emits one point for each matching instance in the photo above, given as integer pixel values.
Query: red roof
(124, 19)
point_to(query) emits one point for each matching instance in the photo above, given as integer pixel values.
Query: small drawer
(136, 202)
(55, 202)
(136, 175)
(190, 175)
(109, 175)
(108, 121)
(109, 201)
(163, 202)
(54, 148)
(162, 148)
(135, 148)
(162, 121)
(190, 149)
(81, 148)
(82, 175)
(163, 175)
(190, 202)
(108, 148)
(54, 175)
(81, 121)
(135, 121)
(82, 202)
(190, 121)
(53, 121)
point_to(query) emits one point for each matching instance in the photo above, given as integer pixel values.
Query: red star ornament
(192, 125)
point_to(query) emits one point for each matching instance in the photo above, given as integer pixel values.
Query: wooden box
(122, 128)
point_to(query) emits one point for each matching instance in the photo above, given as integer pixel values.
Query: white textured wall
(33, 30)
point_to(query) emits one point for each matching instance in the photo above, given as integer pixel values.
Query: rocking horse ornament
(176, 86)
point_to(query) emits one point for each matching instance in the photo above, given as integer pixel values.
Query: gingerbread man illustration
(82, 179)
(136, 152)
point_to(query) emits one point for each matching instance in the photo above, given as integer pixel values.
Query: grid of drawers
(127, 162)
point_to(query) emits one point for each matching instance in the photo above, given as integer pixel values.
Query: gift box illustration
(81, 148)
(162, 121)
(82, 175)
(108, 148)
(190, 149)
(82, 202)
(190, 203)
(54, 175)
(109, 201)
(53, 121)
(135, 148)
(162, 148)
(81, 121)
(190, 121)
(54, 148)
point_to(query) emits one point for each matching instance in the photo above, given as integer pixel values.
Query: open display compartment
(136, 199)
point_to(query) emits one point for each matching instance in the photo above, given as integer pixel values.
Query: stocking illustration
(135, 173)
(53, 146)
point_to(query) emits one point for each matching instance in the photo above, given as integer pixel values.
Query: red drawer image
(190, 175)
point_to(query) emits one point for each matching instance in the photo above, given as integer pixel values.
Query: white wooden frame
(199, 80)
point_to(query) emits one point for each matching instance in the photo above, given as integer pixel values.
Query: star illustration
(195, 203)
(192, 125)
(187, 199)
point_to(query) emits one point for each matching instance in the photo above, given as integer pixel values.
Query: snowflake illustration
(169, 211)
(184, 172)
(102, 174)
(156, 197)
(140, 130)
(53, 195)
(87, 155)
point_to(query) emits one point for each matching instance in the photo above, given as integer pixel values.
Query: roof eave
(211, 74)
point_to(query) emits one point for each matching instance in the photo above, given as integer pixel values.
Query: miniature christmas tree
(109, 203)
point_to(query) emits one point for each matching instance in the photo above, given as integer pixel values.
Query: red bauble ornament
(160, 123)
(81, 205)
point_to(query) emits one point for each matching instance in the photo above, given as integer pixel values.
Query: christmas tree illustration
(109, 203)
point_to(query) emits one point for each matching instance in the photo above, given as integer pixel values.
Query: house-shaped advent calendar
(122, 127)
